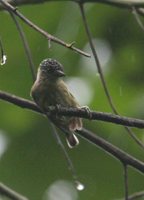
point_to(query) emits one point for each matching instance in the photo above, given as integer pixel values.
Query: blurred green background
(30, 160)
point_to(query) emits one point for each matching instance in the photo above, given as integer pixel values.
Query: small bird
(50, 90)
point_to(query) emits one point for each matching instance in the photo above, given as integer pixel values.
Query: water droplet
(3, 60)
(61, 190)
(79, 186)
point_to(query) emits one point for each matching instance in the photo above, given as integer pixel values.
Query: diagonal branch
(113, 150)
(48, 36)
(88, 135)
(21, 102)
(125, 168)
(25, 44)
(136, 195)
(65, 153)
(11, 194)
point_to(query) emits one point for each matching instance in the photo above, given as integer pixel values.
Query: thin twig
(136, 195)
(1, 48)
(69, 161)
(134, 137)
(8, 192)
(88, 135)
(77, 112)
(103, 81)
(96, 56)
(50, 37)
(26, 45)
(125, 167)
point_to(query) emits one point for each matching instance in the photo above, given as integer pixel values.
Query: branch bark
(47, 35)
(136, 195)
(8, 192)
(124, 157)
(81, 112)
(88, 135)
(118, 3)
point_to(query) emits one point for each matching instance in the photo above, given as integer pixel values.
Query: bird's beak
(59, 73)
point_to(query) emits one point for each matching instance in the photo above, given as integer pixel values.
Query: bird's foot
(50, 110)
(57, 107)
(87, 109)
(53, 110)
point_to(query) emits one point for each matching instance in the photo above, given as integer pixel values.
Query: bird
(49, 90)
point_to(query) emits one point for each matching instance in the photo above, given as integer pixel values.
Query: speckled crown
(50, 65)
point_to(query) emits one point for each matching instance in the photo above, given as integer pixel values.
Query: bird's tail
(71, 140)
(74, 124)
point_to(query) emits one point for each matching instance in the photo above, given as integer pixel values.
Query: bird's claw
(53, 108)
(49, 110)
(57, 107)
(87, 109)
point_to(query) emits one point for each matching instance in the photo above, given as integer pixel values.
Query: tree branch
(113, 150)
(101, 116)
(102, 78)
(118, 3)
(91, 137)
(125, 167)
(21, 102)
(78, 112)
(136, 195)
(7, 192)
(48, 36)
(26, 45)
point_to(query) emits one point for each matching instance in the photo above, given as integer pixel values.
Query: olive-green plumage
(50, 90)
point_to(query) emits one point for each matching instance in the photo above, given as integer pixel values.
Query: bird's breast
(51, 93)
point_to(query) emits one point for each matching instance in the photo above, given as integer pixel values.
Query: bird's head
(51, 68)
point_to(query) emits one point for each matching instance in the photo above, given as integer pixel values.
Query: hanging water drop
(79, 186)
(3, 60)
